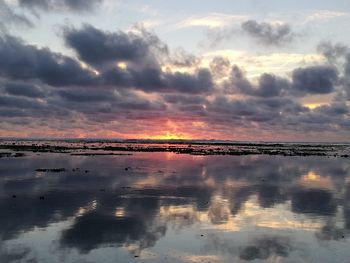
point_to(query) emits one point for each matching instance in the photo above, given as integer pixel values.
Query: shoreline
(110, 148)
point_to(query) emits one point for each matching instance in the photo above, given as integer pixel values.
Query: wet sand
(180, 147)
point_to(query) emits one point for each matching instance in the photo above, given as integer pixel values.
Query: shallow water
(167, 207)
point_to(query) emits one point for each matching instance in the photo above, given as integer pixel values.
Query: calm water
(166, 207)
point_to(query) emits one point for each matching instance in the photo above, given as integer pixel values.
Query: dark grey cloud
(347, 66)
(104, 104)
(38, 85)
(268, 33)
(334, 109)
(257, 109)
(149, 79)
(277, 113)
(184, 99)
(315, 79)
(26, 62)
(24, 89)
(239, 81)
(117, 77)
(268, 85)
(338, 56)
(188, 83)
(61, 5)
(98, 47)
(87, 95)
(152, 79)
(346, 79)
(19, 102)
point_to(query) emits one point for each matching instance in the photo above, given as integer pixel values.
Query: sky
(272, 70)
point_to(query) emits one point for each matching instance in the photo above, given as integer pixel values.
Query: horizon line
(161, 140)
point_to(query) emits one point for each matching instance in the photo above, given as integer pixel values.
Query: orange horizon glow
(166, 129)
(169, 136)
(171, 132)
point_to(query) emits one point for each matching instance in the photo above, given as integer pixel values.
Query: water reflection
(164, 207)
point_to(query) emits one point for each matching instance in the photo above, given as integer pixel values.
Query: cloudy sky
(240, 70)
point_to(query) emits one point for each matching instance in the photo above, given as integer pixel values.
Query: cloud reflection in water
(174, 209)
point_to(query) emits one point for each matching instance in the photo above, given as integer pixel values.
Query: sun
(170, 136)
(170, 130)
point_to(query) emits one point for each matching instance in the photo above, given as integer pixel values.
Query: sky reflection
(165, 207)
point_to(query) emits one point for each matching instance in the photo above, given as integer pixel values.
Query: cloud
(132, 78)
(84, 96)
(270, 111)
(214, 20)
(265, 248)
(334, 109)
(98, 47)
(315, 79)
(8, 17)
(181, 58)
(175, 199)
(152, 79)
(332, 51)
(268, 85)
(220, 66)
(94, 230)
(314, 201)
(345, 80)
(239, 80)
(61, 5)
(184, 99)
(347, 66)
(18, 253)
(117, 77)
(264, 33)
(28, 62)
(24, 89)
(268, 33)
(187, 83)
(324, 15)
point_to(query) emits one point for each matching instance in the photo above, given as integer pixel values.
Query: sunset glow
(169, 136)
(123, 70)
(174, 131)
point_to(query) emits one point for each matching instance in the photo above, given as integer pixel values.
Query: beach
(82, 202)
